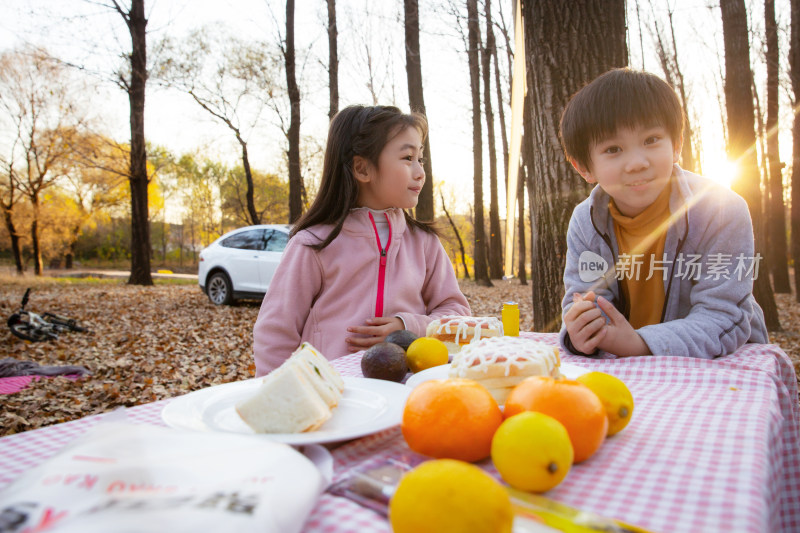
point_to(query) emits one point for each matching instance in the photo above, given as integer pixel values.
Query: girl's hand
(375, 331)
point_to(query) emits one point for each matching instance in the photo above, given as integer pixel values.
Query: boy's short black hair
(620, 98)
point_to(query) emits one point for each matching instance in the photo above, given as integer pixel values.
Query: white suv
(241, 263)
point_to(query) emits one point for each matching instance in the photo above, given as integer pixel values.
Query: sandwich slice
(298, 396)
(323, 376)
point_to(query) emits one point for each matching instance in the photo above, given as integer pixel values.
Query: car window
(276, 241)
(247, 240)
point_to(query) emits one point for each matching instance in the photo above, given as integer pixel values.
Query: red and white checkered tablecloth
(712, 446)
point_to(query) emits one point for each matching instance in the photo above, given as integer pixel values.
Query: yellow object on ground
(615, 396)
(426, 352)
(445, 495)
(532, 451)
(163, 271)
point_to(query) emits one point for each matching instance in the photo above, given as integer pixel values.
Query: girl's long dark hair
(355, 130)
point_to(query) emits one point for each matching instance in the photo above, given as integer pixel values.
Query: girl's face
(398, 178)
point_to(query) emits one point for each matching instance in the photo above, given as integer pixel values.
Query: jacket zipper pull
(383, 257)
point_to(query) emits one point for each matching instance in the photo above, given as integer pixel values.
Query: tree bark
(15, 245)
(36, 249)
(495, 236)
(333, 60)
(416, 100)
(776, 214)
(567, 44)
(742, 139)
(295, 177)
(687, 154)
(140, 227)
(794, 74)
(521, 267)
(501, 115)
(473, 38)
(458, 237)
(248, 176)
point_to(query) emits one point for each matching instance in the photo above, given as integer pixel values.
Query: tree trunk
(776, 214)
(416, 100)
(687, 155)
(295, 177)
(15, 244)
(559, 63)
(474, 34)
(248, 176)
(495, 236)
(333, 60)
(180, 248)
(501, 115)
(794, 74)
(458, 237)
(37, 251)
(140, 227)
(73, 242)
(742, 139)
(521, 267)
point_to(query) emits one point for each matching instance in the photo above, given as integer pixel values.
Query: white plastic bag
(126, 478)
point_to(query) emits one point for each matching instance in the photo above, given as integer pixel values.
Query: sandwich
(297, 396)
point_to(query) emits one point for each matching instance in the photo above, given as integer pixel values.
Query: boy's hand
(618, 336)
(585, 323)
(375, 331)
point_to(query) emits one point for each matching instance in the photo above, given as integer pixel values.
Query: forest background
(134, 134)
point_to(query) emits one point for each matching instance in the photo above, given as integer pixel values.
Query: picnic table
(713, 445)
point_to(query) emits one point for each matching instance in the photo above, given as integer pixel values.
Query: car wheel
(219, 289)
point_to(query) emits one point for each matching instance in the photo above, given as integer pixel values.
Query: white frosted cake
(458, 331)
(500, 363)
(297, 396)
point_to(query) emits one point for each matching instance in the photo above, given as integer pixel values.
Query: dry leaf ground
(151, 343)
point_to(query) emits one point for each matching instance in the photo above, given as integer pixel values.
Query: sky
(84, 32)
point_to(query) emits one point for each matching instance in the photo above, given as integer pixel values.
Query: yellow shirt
(640, 240)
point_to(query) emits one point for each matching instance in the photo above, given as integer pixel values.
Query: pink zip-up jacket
(316, 295)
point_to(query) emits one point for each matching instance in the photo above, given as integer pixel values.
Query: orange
(570, 402)
(451, 418)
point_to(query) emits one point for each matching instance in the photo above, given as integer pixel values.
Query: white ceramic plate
(367, 406)
(440, 372)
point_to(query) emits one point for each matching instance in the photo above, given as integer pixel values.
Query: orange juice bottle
(511, 319)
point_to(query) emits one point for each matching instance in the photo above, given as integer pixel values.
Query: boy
(659, 260)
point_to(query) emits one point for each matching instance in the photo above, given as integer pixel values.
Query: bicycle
(34, 327)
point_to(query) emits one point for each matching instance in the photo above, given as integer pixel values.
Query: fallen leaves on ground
(152, 343)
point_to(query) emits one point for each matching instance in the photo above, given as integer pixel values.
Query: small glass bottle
(511, 319)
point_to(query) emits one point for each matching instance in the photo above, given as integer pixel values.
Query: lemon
(615, 396)
(532, 451)
(446, 495)
(426, 352)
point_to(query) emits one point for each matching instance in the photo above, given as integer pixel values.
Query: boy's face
(633, 166)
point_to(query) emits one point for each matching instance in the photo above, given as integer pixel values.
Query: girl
(357, 266)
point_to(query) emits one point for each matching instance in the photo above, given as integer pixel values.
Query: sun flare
(721, 170)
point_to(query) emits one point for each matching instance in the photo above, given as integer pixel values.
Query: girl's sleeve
(286, 306)
(440, 291)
